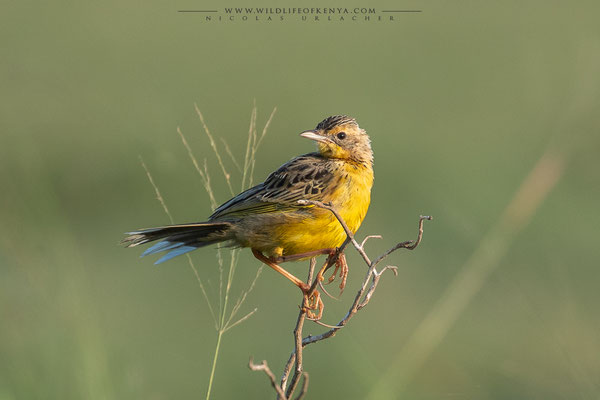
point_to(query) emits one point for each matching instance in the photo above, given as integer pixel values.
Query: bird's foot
(342, 266)
(313, 304)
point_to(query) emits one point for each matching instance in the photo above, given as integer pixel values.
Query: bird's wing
(302, 178)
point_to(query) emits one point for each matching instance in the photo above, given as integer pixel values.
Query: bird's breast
(353, 194)
(350, 195)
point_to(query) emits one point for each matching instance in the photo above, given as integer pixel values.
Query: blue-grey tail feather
(161, 246)
(174, 253)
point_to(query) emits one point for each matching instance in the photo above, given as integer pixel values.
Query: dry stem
(265, 367)
(362, 298)
(224, 319)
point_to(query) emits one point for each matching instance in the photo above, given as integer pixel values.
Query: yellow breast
(350, 195)
(352, 199)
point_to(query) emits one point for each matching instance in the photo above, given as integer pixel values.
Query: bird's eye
(341, 135)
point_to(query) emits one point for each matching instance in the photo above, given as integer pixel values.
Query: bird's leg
(271, 263)
(340, 265)
(308, 254)
(313, 297)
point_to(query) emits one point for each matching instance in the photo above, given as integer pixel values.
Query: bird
(271, 219)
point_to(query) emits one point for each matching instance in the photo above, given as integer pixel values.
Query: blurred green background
(460, 100)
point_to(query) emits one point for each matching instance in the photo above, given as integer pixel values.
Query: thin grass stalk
(249, 146)
(190, 261)
(213, 144)
(222, 321)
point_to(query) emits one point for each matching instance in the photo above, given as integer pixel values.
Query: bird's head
(340, 136)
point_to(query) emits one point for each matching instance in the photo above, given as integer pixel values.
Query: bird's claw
(313, 303)
(342, 266)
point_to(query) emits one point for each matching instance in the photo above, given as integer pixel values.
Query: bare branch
(304, 387)
(376, 276)
(361, 299)
(357, 304)
(298, 347)
(372, 275)
(265, 367)
(409, 245)
(326, 292)
(362, 244)
(318, 322)
(392, 268)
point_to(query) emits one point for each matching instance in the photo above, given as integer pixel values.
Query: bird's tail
(179, 239)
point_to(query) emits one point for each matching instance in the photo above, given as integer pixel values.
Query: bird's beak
(313, 135)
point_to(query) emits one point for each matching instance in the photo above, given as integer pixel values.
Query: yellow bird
(268, 218)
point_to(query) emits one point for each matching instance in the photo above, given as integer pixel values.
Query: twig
(326, 292)
(298, 357)
(372, 275)
(304, 387)
(316, 321)
(362, 298)
(265, 367)
(362, 244)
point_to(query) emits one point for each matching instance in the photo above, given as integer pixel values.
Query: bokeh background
(461, 102)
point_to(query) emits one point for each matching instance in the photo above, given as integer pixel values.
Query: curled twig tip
(392, 268)
(326, 292)
(318, 322)
(362, 244)
(265, 367)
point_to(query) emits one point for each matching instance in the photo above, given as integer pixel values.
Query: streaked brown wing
(304, 177)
